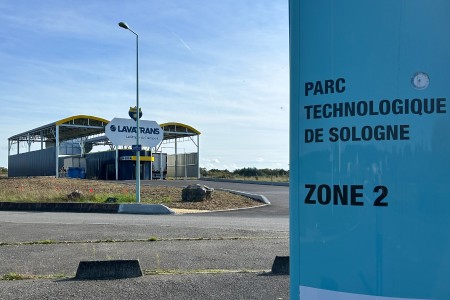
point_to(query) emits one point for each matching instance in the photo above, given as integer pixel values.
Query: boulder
(75, 195)
(197, 192)
(111, 200)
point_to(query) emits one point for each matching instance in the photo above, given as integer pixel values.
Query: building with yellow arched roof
(67, 144)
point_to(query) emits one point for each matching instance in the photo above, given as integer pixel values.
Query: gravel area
(51, 189)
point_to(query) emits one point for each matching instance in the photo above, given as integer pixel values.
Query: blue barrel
(73, 172)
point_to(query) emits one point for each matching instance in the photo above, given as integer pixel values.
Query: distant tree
(3, 170)
(203, 172)
(244, 172)
(216, 173)
(248, 172)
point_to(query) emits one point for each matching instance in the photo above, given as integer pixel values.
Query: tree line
(244, 172)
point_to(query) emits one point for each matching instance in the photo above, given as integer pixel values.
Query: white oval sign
(123, 132)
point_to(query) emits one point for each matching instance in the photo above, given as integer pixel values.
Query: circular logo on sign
(112, 127)
(420, 80)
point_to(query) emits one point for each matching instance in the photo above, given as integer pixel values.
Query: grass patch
(14, 276)
(198, 271)
(101, 198)
(11, 276)
(50, 189)
(63, 190)
(153, 239)
(46, 242)
(150, 239)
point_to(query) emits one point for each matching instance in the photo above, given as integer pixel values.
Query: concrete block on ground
(108, 269)
(281, 265)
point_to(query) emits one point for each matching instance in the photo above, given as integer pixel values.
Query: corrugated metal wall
(100, 165)
(187, 165)
(34, 163)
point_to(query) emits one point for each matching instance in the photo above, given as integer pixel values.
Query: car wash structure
(78, 147)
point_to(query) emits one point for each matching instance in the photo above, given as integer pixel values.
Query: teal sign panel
(370, 149)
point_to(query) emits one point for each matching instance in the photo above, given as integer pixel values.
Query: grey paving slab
(198, 286)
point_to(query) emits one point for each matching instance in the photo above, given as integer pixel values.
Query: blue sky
(221, 67)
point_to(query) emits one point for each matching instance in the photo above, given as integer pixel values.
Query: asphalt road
(220, 255)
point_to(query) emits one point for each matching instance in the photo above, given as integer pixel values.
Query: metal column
(116, 163)
(176, 159)
(57, 151)
(198, 157)
(29, 142)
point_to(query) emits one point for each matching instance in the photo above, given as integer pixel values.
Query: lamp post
(138, 153)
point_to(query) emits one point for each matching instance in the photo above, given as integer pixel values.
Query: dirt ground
(50, 189)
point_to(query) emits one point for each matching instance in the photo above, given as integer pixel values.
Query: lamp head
(124, 25)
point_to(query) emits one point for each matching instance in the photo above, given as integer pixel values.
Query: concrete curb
(143, 209)
(60, 207)
(260, 198)
(88, 208)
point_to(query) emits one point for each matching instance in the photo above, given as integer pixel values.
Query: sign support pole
(138, 153)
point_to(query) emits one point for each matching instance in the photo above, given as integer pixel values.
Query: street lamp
(138, 153)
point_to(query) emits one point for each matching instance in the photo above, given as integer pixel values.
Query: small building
(78, 147)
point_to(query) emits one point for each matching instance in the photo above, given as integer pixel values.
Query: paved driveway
(221, 255)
